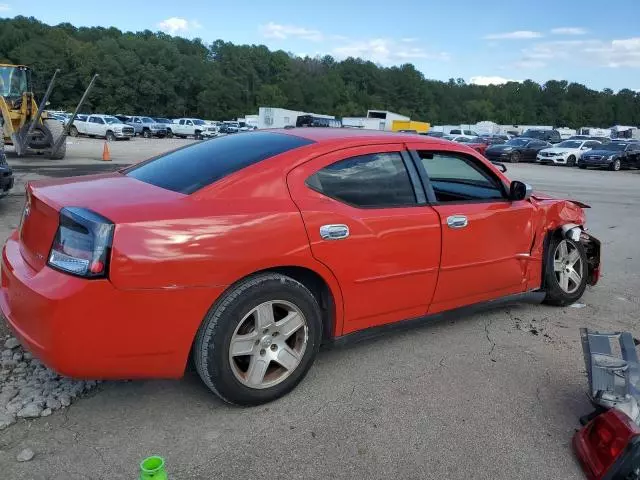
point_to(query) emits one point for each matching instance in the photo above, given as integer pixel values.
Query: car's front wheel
(571, 161)
(565, 271)
(615, 165)
(514, 157)
(259, 340)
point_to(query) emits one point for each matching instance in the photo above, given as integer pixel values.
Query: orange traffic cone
(106, 157)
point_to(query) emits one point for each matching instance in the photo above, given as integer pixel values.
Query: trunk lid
(117, 197)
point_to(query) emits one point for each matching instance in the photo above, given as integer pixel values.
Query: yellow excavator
(23, 123)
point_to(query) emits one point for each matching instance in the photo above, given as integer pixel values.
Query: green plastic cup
(152, 468)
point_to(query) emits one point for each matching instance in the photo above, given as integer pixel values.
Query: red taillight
(82, 243)
(608, 447)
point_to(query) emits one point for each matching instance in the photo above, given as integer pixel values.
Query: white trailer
(269, 117)
(386, 116)
(364, 123)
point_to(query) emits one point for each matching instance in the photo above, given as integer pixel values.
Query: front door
(486, 238)
(369, 223)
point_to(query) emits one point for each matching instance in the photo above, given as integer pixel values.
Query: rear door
(486, 238)
(368, 221)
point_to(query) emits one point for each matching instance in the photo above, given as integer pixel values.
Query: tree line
(153, 73)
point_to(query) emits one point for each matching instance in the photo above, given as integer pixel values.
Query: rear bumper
(90, 329)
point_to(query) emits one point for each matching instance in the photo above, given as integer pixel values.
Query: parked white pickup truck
(188, 127)
(100, 126)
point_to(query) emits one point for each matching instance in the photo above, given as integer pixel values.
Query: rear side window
(196, 166)
(458, 179)
(377, 180)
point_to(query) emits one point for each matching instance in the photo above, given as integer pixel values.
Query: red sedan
(248, 251)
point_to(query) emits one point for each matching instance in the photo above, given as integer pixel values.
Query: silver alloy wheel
(268, 344)
(568, 266)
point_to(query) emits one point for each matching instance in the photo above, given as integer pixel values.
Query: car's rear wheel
(514, 157)
(259, 340)
(565, 271)
(146, 134)
(571, 161)
(615, 165)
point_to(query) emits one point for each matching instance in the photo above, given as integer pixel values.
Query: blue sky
(480, 41)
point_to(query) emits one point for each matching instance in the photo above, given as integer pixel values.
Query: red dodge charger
(246, 252)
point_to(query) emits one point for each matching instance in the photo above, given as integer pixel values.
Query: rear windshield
(196, 166)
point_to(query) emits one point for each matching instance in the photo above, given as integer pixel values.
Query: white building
(595, 132)
(623, 131)
(375, 120)
(270, 117)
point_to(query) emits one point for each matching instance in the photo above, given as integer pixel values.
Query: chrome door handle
(334, 232)
(457, 221)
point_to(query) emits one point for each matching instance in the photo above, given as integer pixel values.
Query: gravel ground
(494, 395)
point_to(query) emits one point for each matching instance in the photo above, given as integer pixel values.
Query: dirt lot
(494, 395)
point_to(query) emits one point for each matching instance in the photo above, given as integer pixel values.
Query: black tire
(514, 157)
(73, 131)
(110, 137)
(555, 294)
(146, 134)
(197, 135)
(615, 165)
(56, 129)
(571, 161)
(212, 342)
(169, 133)
(127, 138)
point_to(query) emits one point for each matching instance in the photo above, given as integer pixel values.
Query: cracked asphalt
(489, 395)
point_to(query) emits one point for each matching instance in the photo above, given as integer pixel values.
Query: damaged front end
(591, 247)
(608, 447)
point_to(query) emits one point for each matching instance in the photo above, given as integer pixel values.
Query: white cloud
(591, 53)
(5, 7)
(490, 80)
(282, 32)
(386, 51)
(568, 31)
(517, 35)
(529, 63)
(174, 25)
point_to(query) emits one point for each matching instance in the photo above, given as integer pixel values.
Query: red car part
(608, 447)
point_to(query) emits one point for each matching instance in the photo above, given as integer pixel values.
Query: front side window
(377, 180)
(459, 179)
(137, 120)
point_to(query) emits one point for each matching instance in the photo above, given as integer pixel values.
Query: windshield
(613, 147)
(198, 122)
(13, 81)
(111, 120)
(147, 120)
(518, 142)
(570, 144)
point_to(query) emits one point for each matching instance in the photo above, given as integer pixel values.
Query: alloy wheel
(268, 344)
(568, 266)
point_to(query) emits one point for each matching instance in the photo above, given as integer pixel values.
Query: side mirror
(584, 148)
(519, 191)
(501, 166)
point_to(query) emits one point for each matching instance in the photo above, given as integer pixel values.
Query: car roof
(352, 135)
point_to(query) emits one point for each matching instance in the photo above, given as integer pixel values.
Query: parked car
(465, 133)
(168, 124)
(6, 174)
(188, 127)
(228, 128)
(249, 251)
(434, 134)
(104, 126)
(613, 155)
(479, 144)
(516, 150)
(551, 136)
(209, 131)
(147, 127)
(567, 152)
